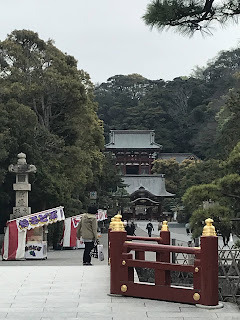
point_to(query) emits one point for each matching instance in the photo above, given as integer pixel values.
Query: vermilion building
(134, 152)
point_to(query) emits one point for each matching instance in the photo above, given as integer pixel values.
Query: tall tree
(63, 136)
(190, 15)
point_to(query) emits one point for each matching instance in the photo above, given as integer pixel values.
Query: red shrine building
(134, 152)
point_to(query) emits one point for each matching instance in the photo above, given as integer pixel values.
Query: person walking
(87, 229)
(133, 228)
(187, 226)
(149, 228)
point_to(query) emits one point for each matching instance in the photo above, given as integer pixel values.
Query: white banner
(40, 219)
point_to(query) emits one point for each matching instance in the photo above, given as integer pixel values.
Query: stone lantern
(22, 186)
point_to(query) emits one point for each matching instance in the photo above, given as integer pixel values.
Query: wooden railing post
(163, 277)
(209, 265)
(118, 236)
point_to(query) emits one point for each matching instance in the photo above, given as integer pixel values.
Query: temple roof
(132, 139)
(180, 157)
(155, 184)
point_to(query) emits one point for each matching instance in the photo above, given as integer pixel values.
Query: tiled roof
(180, 157)
(132, 139)
(155, 184)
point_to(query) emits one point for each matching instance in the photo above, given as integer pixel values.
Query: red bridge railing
(204, 267)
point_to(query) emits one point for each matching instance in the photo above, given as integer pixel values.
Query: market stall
(23, 237)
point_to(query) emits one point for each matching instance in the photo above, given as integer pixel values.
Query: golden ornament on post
(123, 262)
(117, 224)
(196, 269)
(124, 288)
(112, 223)
(209, 229)
(165, 226)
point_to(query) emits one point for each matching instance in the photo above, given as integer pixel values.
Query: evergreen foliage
(47, 111)
(188, 16)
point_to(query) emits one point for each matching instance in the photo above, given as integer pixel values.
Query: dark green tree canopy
(47, 111)
(188, 16)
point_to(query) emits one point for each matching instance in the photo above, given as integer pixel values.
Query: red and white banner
(16, 231)
(70, 231)
(101, 215)
(14, 242)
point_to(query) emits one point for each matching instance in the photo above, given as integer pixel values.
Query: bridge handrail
(159, 248)
(157, 239)
(158, 265)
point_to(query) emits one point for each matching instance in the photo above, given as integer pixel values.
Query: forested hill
(189, 114)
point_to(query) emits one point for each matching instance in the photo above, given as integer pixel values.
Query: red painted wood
(167, 293)
(160, 265)
(157, 239)
(163, 277)
(140, 255)
(160, 248)
(117, 238)
(205, 281)
(165, 235)
(209, 270)
(197, 275)
(127, 256)
(109, 230)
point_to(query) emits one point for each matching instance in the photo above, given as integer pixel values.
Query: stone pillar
(22, 186)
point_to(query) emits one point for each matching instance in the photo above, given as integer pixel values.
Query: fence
(204, 266)
(228, 272)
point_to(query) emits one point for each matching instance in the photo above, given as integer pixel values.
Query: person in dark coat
(149, 228)
(128, 229)
(133, 228)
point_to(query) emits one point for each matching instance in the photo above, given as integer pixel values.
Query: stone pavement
(61, 288)
(81, 292)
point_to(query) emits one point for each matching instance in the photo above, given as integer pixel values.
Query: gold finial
(196, 269)
(112, 223)
(123, 262)
(118, 224)
(196, 296)
(209, 229)
(124, 288)
(165, 226)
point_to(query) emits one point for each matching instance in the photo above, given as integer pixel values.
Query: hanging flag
(70, 231)
(14, 242)
(101, 215)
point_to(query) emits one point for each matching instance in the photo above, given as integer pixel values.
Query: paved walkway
(61, 288)
(72, 292)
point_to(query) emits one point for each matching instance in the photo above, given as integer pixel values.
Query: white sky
(108, 37)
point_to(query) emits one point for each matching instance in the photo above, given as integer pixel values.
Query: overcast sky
(108, 37)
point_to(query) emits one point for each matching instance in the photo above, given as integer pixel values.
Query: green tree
(223, 191)
(228, 132)
(53, 120)
(170, 168)
(220, 216)
(194, 173)
(190, 16)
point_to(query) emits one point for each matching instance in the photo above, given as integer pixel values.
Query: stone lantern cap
(22, 166)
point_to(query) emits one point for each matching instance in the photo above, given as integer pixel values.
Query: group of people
(130, 228)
